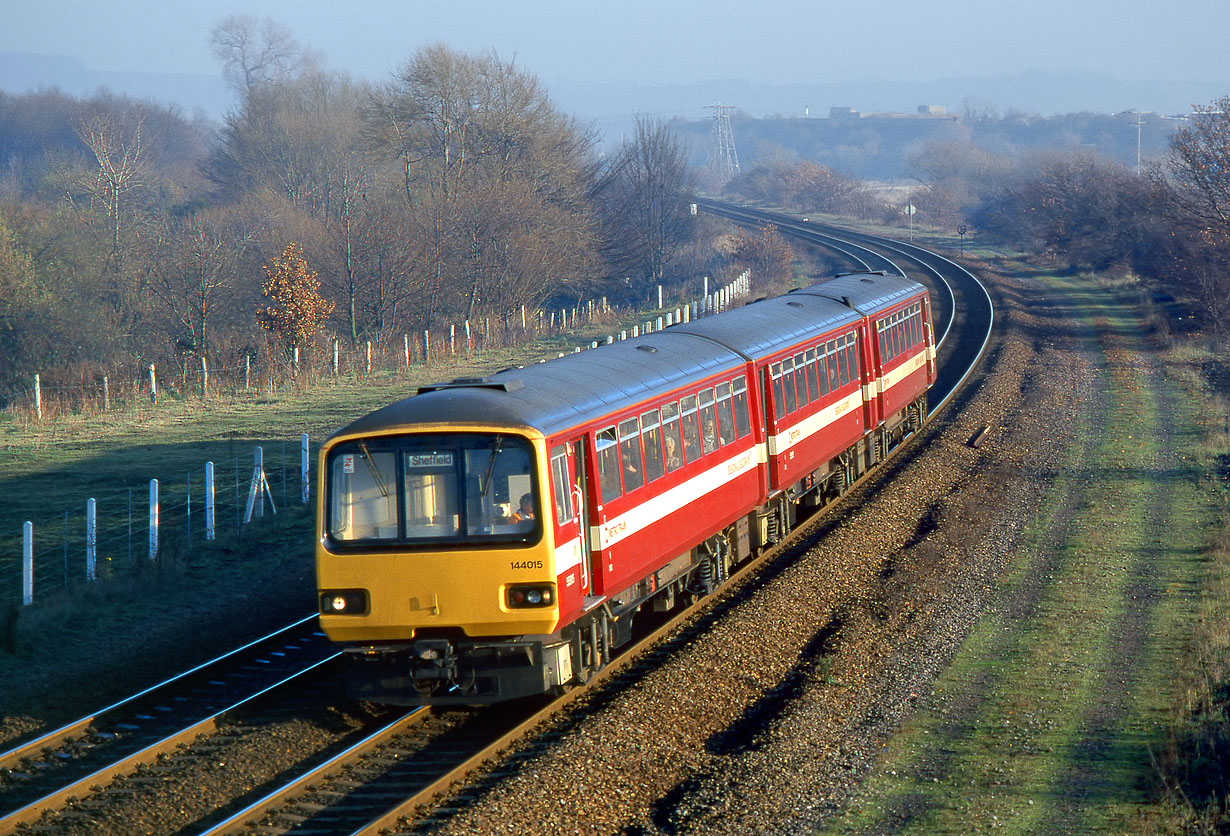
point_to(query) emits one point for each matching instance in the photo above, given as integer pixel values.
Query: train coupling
(433, 660)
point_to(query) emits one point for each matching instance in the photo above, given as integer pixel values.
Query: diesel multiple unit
(492, 538)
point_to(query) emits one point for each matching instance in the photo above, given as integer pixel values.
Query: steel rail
(60, 735)
(102, 777)
(241, 819)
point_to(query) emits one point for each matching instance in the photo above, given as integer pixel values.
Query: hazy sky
(661, 40)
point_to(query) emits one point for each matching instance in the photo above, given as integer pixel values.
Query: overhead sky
(664, 41)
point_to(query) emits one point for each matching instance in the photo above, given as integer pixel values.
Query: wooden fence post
(406, 343)
(106, 394)
(204, 378)
(38, 397)
(153, 385)
(335, 357)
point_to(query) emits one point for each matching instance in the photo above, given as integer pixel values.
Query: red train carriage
(490, 539)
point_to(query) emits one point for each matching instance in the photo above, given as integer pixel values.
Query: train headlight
(343, 602)
(531, 595)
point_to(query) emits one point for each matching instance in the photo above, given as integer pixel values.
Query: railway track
(74, 760)
(395, 777)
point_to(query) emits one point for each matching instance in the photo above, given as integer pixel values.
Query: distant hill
(876, 146)
(23, 72)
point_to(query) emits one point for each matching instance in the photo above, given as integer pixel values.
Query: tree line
(1168, 222)
(131, 234)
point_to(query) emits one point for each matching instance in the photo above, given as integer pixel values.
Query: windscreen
(433, 489)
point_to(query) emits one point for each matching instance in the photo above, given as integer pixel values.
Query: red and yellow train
(488, 539)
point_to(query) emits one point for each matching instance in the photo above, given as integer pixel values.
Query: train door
(577, 460)
(929, 337)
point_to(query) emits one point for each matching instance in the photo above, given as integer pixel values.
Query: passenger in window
(709, 436)
(525, 512)
(673, 461)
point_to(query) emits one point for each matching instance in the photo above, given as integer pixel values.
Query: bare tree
(646, 196)
(115, 141)
(196, 274)
(255, 52)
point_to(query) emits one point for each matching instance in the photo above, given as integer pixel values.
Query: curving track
(398, 769)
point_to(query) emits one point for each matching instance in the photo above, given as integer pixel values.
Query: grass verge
(1051, 716)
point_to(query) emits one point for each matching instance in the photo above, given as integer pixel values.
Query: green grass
(1049, 717)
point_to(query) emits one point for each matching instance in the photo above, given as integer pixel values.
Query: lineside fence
(132, 528)
(260, 371)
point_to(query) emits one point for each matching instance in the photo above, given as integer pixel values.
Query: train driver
(525, 513)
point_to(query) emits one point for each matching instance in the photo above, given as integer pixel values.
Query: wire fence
(165, 520)
(257, 371)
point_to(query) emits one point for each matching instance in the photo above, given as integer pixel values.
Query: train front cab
(427, 564)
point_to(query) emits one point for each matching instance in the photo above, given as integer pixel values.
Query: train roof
(583, 387)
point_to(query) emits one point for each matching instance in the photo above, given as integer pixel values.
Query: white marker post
(153, 519)
(91, 540)
(209, 501)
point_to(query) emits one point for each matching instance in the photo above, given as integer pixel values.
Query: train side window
(725, 414)
(792, 402)
(779, 398)
(822, 371)
(916, 319)
(800, 378)
(852, 357)
(813, 385)
(630, 454)
(842, 364)
(651, 444)
(561, 485)
(743, 420)
(608, 464)
(690, 427)
(671, 436)
(708, 421)
(834, 375)
(883, 342)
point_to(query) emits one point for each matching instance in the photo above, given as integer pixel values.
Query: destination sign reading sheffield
(429, 460)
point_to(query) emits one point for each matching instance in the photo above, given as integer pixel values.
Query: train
(494, 538)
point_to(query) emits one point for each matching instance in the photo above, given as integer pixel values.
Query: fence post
(295, 372)
(153, 385)
(304, 466)
(91, 539)
(247, 371)
(452, 339)
(369, 357)
(153, 518)
(209, 501)
(204, 378)
(406, 341)
(335, 357)
(426, 347)
(27, 564)
(106, 394)
(38, 398)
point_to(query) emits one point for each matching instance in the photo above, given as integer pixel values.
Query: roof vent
(866, 281)
(795, 304)
(648, 348)
(473, 383)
